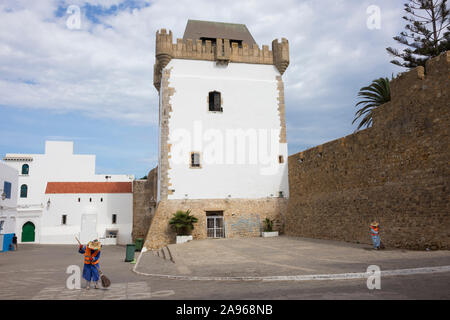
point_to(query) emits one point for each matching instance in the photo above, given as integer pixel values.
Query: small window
(111, 234)
(280, 159)
(79, 199)
(64, 219)
(114, 218)
(195, 160)
(7, 189)
(215, 103)
(90, 199)
(23, 191)
(25, 169)
(101, 199)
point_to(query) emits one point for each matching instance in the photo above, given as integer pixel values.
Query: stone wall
(144, 203)
(396, 172)
(242, 217)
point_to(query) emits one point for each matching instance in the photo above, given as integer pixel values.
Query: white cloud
(106, 70)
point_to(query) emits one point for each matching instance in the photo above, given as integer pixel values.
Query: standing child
(375, 233)
(91, 255)
(14, 242)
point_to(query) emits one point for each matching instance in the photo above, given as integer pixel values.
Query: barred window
(215, 103)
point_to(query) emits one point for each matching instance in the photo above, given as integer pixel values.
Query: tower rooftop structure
(217, 41)
(197, 29)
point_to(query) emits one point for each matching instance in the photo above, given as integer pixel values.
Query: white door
(88, 228)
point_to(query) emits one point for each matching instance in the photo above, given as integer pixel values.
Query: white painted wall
(52, 231)
(25, 215)
(249, 93)
(8, 206)
(57, 164)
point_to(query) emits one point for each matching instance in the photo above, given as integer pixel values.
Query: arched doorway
(28, 232)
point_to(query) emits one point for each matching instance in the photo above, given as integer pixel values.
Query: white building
(222, 128)
(8, 204)
(57, 164)
(88, 210)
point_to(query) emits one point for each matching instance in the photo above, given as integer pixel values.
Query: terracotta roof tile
(88, 187)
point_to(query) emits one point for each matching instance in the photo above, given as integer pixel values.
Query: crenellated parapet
(280, 54)
(222, 51)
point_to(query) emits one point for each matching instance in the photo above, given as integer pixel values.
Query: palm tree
(372, 96)
(183, 222)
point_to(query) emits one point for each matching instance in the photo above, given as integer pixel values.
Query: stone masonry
(144, 203)
(166, 110)
(242, 217)
(396, 172)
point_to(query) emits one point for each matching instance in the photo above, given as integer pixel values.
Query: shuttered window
(7, 189)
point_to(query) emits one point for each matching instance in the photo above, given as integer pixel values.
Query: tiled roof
(17, 157)
(88, 187)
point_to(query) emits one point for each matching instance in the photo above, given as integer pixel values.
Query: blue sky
(94, 85)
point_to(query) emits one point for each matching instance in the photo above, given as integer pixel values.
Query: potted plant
(268, 229)
(183, 223)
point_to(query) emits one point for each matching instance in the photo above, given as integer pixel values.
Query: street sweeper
(91, 257)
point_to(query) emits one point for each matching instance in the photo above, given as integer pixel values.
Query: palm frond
(372, 96)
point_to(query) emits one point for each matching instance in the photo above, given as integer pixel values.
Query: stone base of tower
(241, 218)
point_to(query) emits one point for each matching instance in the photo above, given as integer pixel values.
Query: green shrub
(183, 222)
(268, 225)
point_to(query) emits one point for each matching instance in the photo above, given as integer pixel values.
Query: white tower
(222, 130)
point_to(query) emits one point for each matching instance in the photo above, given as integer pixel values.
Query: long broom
(105, 280)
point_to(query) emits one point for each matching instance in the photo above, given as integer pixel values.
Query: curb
(337, 276)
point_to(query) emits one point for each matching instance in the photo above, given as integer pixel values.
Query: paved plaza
(282, 256)
(38, 272)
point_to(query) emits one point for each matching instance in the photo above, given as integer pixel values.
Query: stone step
(164, 253)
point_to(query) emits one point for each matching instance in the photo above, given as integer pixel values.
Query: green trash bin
(130, 253)
(139, 244)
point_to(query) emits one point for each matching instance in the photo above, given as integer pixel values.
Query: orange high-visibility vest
(88, 255)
